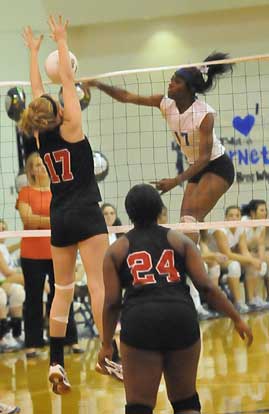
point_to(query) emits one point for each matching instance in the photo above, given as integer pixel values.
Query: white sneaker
(241, 307)
(8, 409)
(9, 344)
(260, 302)
(59, 380)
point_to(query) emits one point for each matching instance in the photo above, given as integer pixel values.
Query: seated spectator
(213, 260)
(232, 243)
(12, 296)
(255, 236)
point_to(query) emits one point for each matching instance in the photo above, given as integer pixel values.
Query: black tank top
(71, 170)
(152, 270)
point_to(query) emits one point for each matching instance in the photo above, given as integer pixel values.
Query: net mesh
(139, 146)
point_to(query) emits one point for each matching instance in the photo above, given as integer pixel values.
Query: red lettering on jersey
(166, 266)
(62, 156)
(53, 176)
(140, 262)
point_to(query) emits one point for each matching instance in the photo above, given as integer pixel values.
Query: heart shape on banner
(244, 125)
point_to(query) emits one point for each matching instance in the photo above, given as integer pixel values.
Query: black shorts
(222, 166)
(70, 226)
(160, 326)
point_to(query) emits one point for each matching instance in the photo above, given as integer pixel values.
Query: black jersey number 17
(141, 262)
(63, 157)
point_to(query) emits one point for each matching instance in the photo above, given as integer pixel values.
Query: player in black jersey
(159, 329)
(76, 219)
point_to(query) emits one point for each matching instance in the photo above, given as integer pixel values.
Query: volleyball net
(133, 144)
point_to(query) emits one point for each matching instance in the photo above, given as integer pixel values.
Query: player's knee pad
(16, 295)
(3, 298)
(191, 220)
(190, 403)
(214, 271)
(138, 409)
(234, 269)
(61, 303)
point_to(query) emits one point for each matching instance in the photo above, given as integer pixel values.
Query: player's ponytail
(214, 71)
(38, 116)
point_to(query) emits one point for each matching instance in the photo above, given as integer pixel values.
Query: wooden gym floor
(231, 379)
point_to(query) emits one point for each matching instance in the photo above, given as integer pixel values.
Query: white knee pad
(61, 303)
(16, 295)
(189, 219)
(214, 271)
(3, 298)
(234, 269)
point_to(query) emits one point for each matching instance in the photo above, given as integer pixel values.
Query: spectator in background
(11, 293)
(255, 236)
(232, 243)
(111, 219)
(34, 204)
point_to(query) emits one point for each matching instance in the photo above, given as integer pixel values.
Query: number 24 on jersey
(141, 263)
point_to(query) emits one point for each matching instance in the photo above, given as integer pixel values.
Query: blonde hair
(38, 116)
(28, 167)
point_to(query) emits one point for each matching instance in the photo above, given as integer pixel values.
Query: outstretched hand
(58, 28)
(32, 42)
(164, 185)
(244, 331)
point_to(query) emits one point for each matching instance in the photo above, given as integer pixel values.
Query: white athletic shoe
(59, 380)
(9, 344)
(9, 409)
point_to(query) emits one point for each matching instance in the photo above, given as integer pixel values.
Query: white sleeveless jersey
(233, 238)
(252, 233)
(186, 126)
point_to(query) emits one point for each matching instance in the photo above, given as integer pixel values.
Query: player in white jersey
(211, 171)
(232, 242)
(256, 210)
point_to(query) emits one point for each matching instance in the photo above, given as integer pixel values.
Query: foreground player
(159, 329)
(211, 172)
(76, 219)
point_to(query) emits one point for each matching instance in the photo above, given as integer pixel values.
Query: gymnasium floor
(231, 378)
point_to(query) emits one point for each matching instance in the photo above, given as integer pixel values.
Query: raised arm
(213, 295)
(124, 96)
(33, 43)
(71, 128)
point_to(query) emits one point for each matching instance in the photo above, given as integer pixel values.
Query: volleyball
(52, 66)
(15, 103)
(101, 166)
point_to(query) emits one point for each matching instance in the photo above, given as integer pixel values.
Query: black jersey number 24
(63, 157)
(141, 262)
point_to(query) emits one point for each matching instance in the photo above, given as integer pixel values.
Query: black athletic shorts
(160, 326)
(222, 166)
(70, 226)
